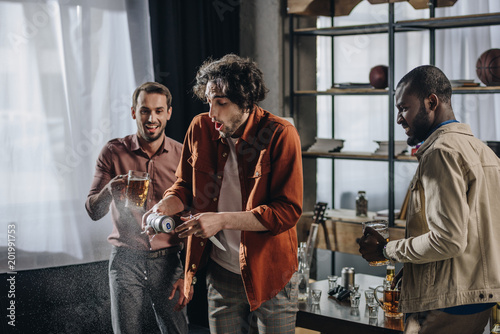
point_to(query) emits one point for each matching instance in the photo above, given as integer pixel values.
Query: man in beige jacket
(450, 251)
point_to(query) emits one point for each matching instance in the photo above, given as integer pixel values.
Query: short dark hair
(237, 78)
(426, 80)
(152, 87)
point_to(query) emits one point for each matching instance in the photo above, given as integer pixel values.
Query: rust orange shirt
(270, 171)
(119, 156)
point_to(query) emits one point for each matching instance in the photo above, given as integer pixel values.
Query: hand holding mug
(371, 246)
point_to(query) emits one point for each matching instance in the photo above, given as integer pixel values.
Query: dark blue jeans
(137, 282)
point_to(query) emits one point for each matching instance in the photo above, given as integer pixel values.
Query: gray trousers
(439, 322)
(229, 310)
(139, 284)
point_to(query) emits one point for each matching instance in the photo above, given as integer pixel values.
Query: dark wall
(184, 34)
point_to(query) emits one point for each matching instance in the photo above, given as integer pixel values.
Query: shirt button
(481, 296)
(490, 295)
(257, 174)
(193, 266)
(224, 154)
(214, 199)
(202, 243)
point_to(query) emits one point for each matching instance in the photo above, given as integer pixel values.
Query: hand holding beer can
(137, 189)
(160, 223)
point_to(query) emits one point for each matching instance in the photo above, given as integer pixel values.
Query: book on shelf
(326, 145)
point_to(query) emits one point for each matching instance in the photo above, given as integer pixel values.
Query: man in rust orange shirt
(241, 177)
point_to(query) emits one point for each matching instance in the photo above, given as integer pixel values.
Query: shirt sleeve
(438, 229)
(103, 174)
(284, 206)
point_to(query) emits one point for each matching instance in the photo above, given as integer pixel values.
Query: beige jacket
(451, 252)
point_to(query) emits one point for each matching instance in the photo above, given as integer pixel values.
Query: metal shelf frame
(391, 28)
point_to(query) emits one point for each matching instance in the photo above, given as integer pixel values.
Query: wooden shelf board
(344, 91)
(465, 21)
(476, 90)
(357, 156)
(364, 29)
(373, 91)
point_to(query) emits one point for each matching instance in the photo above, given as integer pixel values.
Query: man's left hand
(202, 225)
(371, 245)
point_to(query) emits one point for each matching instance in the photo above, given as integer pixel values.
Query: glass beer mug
(382, 227)
(390, 302)
(137, 189)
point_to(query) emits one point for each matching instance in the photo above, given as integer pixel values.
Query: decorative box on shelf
(343, 228)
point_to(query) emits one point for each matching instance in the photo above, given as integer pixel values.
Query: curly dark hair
(237, 78)
(426, 80)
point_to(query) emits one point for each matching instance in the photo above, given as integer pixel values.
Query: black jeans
(137, 281)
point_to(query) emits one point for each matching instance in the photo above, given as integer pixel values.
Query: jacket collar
(458, 128)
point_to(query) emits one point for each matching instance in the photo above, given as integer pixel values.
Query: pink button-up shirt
(119, 156)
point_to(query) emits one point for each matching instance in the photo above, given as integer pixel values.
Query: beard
(149, 137)
(420, 127)
(231, 127)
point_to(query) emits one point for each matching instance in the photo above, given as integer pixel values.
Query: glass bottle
(495, 319)
(390, 272)
(303, 272)
(361, 204)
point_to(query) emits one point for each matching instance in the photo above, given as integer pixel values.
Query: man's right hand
(168, 206)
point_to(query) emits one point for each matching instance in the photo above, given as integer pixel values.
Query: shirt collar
(135, 145)
(437, 127)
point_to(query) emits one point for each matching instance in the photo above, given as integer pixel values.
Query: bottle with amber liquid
(390, 272)
(495, 319)
(361, 204)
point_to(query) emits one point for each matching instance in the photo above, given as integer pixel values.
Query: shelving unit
(391, 27)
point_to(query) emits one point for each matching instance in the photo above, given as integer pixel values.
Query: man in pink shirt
(145, 271)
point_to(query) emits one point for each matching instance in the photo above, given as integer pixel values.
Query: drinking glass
(382, 227)
(391, 300)
(137, 189)
(369, 296)
(332, 282)
(316, 296)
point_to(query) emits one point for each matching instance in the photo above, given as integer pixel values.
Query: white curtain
(68, 70)
(360, 120)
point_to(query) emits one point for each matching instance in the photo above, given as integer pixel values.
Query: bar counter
(332, 316)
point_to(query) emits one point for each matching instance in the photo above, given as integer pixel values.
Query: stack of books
(326, 145)
(400, 147)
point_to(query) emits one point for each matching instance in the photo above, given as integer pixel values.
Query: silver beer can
(347, 274)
